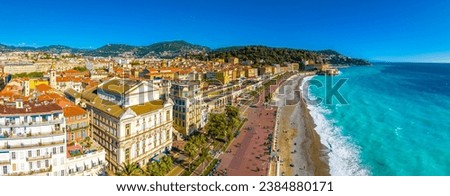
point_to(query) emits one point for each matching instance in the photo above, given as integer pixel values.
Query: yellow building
(233, 60)
(240, 73)
(220, 60)
(35, 82)
(167, 73)
(225, 76)
(266, 70)
(251, 72)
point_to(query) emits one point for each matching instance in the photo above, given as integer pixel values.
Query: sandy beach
(300, 150)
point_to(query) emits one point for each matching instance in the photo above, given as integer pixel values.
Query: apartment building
(32, 139)
(129, 120)
(187, 109)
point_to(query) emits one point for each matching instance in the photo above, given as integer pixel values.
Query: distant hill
(336, 58)
(263, 55)
(260, 55)
(112, 50)
(60, 49)
(50, 49)
(168, 49)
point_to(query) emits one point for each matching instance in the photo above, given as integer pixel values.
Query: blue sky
(378, 30)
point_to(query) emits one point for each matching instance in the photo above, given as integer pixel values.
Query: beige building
(17, 67)
(251, 72)
(233, 60)
(187, 110)
(130, 120)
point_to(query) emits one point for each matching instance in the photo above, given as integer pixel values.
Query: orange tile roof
(186, 71)
(44, 97)
(73, 111)
(68, 79)
(118, 70)
(55, 96)
(71, 71)
(62, 79)
(43, 88)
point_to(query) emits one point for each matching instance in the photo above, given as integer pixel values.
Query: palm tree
(206, 157)
(191, 150)
(129, 169)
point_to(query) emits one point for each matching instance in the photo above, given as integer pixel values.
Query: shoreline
(300, 150)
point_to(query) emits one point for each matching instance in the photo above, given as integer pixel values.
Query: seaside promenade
(249, 153)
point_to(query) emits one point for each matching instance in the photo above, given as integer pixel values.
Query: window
(137, 149)
(127, 129)
(5, 169)
(54, 150)
(31, 165)
(29, 153)
(127, 154)
(167, 115)
(143, 146)
(47, 163)
(62, 172)
(61, 149)
(13, 155)
(38, 152)
(38, 164)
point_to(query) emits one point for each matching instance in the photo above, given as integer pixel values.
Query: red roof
(33, 108)
(43, 88)
(73, 111)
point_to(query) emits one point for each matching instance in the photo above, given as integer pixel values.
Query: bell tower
(53, 76)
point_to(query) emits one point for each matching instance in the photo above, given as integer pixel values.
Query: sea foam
(343, 155)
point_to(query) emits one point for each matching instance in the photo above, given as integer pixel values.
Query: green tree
(129, 169)
(233, 117)
(191, 149)
(82, 69)
(217, 125)
(205, 156)
(168, 161)
(153, 169)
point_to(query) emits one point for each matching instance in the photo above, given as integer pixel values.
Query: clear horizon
(401, 31)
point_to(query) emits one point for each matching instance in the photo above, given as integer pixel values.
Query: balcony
(86, 171)
(12, 124)
(8, 136)
(38, 158)
(33, 172)
(40, 144)
(5, 162)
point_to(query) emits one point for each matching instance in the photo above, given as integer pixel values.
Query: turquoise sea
(396, 122)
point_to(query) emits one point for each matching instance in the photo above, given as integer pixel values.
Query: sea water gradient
(396, 122)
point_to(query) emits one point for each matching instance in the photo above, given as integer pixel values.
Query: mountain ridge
(171, 49)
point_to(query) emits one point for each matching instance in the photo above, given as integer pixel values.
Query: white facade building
(129, 120)
(32, 139)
